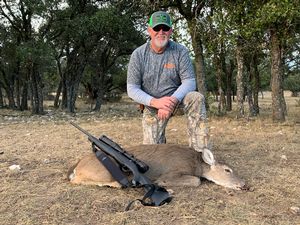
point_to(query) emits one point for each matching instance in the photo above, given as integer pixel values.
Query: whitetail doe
(170, 165)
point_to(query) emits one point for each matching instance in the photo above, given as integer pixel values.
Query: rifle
(104, 146)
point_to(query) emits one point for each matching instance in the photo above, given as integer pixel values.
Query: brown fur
(170, 165)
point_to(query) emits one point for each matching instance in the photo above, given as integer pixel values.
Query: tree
(90, 36)
(25, 70)
(279, 18)
(214, 35)
(119, 38)
(8, 62)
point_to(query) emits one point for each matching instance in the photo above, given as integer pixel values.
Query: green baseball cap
(160, 17)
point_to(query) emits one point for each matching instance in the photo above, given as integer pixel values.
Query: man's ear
(149, 30)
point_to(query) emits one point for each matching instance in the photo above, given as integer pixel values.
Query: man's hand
(167, 103)
(165, 106)
(163, 114)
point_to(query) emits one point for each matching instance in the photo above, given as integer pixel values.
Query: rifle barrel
(82, 130)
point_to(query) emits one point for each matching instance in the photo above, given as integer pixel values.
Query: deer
(171, 165)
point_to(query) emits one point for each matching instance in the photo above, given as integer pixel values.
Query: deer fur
(170, 165)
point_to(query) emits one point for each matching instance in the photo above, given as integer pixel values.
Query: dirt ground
(265, 155)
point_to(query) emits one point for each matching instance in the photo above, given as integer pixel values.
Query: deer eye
(227, 170)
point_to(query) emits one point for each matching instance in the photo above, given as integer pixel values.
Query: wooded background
(82, 47)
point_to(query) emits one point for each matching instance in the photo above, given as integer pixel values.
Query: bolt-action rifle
(104, 147)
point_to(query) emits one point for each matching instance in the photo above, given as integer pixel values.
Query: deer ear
(208, 157)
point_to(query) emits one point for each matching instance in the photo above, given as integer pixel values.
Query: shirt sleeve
(138, 95)
(187, 75)
(134, 71)
(186, 86)
(134, 81)
(186, 68)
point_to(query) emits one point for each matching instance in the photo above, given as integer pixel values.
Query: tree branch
(11, 21)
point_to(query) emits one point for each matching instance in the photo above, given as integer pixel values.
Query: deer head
(219, 173)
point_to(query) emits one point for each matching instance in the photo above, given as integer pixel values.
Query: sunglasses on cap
(161, 27)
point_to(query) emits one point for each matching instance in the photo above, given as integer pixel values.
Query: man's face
(160, 35)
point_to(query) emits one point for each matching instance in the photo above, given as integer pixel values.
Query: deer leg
(178, 180)
(113, 184)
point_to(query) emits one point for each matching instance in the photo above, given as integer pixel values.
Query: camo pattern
(153, 128)
(195, 111)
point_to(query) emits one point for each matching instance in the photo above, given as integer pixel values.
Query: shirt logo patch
(169, 66)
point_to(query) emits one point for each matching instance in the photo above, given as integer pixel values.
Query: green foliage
(211, 83)
(283, 12)
(96, 37)
(265, 74)
(51, 80)
(119, 73)
(116, 28)
(292, 82)
(35, 51)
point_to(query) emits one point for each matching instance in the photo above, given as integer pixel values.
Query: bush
(292, 83)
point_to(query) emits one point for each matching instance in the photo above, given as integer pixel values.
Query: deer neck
(205, 169)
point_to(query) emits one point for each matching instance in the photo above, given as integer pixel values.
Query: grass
(265, 154)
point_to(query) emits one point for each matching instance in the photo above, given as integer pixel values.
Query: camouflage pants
(194, 109)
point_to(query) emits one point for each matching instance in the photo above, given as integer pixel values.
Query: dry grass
(266, 155)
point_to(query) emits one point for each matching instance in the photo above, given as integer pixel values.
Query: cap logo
(161, 18)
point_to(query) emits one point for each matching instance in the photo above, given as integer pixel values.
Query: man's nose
(160, 31)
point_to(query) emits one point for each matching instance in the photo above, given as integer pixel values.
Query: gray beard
(161, 44)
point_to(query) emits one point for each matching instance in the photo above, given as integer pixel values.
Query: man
(161, 76)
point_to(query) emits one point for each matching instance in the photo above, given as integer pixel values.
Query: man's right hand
(165, 106)
(163, 114)
(166, 103)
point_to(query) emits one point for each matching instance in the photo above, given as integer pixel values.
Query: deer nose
(245, 188)
(240, 185)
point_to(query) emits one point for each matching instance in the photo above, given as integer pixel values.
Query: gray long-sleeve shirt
(156, 75)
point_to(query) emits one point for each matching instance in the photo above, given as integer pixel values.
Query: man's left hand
(164, 114)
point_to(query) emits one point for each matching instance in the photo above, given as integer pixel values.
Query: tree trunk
(40, 93)
(229, 72)
(100, 89)
(283, 99)
(71, 96)
(36, 90)
(256, 83)
(10, 97)
(24, 101)
(278, 103)
(8, 86)
(222, 79)
(60, 85)
(73, 74)
(72, 85)
(219, 75)
(199, 58)
(1, 98)
(99, 99)
(249, 88)
(64, 96)
(240, 80)
(18, 84)
(57, 95)
(18, 93)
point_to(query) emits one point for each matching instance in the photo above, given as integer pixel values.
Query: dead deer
(170, 165)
